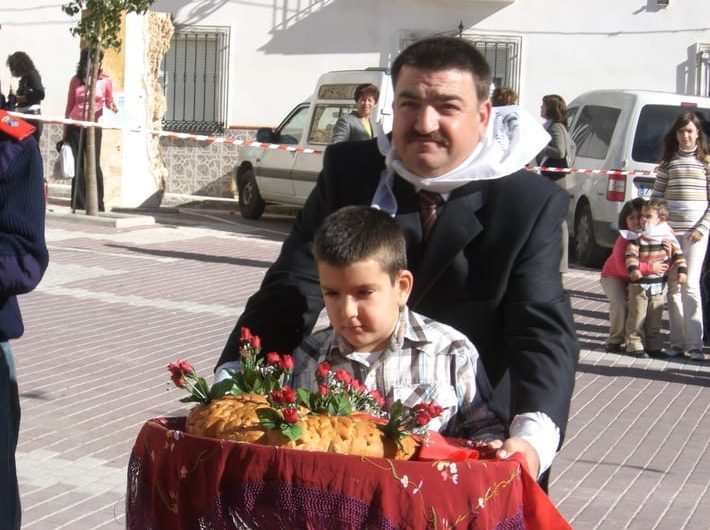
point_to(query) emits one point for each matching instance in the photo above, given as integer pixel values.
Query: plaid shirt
(424, 360)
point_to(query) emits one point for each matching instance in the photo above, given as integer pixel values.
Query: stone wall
(192, 167)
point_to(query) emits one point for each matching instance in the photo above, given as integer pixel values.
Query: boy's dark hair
(359, 233)
(627, 208)
(659, 205)
(444, 53)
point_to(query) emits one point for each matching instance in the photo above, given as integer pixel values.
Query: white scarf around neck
(513, 138)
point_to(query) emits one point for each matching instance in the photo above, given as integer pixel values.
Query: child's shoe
(613, 348)
(696, 355)
(639, 354)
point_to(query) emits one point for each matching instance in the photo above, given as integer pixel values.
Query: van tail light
(616, 188)
(688, 105)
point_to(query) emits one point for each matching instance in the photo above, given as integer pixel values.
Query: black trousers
(78, 187)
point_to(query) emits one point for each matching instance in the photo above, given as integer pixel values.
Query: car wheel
(586, 250)
(251, 205)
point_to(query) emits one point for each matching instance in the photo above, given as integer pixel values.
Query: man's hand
(682, 278)
(695, 236)
(520, 445)
(504, 449)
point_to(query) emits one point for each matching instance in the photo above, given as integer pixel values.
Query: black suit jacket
(490, 269)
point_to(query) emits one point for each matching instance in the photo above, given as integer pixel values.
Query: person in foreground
(484, 246)
(362, 265)
(23, 260)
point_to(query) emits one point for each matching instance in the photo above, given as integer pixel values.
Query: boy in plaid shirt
(361, 258)
(645, 297)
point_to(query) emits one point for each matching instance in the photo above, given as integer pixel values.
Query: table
(180, 481)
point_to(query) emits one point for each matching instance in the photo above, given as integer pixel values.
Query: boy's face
(649, 218)
(362, 301)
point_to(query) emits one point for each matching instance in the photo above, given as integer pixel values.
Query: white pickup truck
(267, 174)
(619, 132)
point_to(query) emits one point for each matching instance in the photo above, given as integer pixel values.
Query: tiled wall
(194, 168)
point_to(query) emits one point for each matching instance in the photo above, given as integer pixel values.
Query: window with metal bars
(195, 80)
(501, 51)
(503, 56)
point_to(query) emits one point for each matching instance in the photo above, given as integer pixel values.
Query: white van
(619, 132)
(269, 175)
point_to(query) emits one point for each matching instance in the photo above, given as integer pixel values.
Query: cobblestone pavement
(119, 303)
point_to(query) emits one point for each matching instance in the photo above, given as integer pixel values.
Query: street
(118, 304)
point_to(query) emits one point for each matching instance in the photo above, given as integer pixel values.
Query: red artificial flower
(286, 363)
(422, 418)
(323, 370)
(323, 390)
(180, 368)
(245, 335)
(343, 376)
(290, 415)
(434, 410)
(272, 358)
(420, 408)
(378, 398)
(255, 342)
(289, 395)
(277, 396)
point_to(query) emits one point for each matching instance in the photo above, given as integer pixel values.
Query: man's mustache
(434, 136)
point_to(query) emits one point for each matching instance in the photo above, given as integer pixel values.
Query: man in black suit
(490, 265)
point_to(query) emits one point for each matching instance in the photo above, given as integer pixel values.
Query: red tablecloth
(180, 481)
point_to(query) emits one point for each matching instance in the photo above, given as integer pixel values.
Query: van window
(324, 118)
(292, 129)
(654, 122)
(571, 113)
(593, 131)
(338, 91)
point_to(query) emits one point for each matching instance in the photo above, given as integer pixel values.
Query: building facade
(234, 66)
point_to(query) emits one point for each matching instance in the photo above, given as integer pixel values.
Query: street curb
(114, 219)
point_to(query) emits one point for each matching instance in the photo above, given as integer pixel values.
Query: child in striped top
(645, 305)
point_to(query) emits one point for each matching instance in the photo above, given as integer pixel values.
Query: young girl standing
(683, 179)
(615, 277)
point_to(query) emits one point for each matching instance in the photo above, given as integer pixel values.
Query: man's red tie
(428, 202)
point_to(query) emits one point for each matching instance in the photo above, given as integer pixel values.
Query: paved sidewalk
(119, 303)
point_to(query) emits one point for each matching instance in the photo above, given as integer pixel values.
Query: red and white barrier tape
(612, 172)
(293, 148)
(171, 134)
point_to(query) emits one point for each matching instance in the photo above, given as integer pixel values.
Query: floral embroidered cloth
(179, 481)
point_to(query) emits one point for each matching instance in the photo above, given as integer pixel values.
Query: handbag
(66, 161)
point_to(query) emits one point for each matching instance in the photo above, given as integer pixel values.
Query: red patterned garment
(178, 481)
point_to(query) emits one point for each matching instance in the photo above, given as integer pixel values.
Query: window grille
(195, 80)
(501, 51)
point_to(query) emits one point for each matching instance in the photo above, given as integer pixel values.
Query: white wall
(279, 47)
(41, 29)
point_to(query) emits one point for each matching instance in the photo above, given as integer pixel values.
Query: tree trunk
(90, 187)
